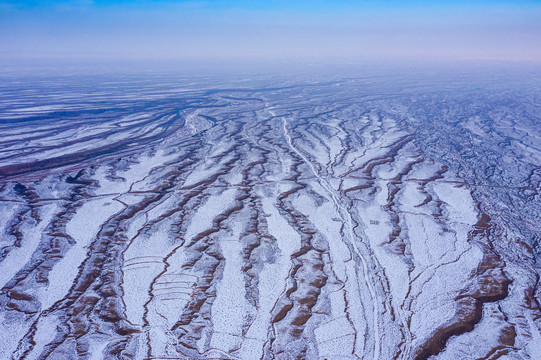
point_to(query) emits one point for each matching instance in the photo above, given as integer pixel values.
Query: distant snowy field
(296, 216)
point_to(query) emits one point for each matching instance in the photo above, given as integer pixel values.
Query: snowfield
(386, 218)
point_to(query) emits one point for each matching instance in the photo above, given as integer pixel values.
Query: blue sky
(272, 29)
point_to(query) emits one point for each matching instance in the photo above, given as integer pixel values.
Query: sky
(270, 29)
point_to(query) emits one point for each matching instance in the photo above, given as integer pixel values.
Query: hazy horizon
(86, 30)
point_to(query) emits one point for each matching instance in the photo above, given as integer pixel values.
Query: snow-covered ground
(307, 222)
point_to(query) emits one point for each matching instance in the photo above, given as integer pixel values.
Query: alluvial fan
(168, 217)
